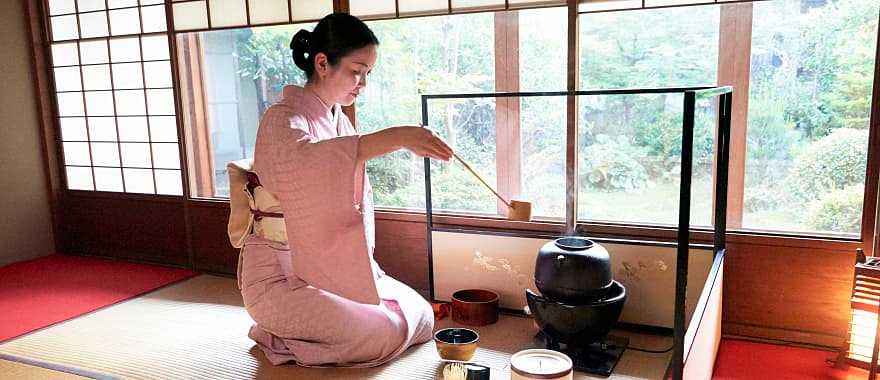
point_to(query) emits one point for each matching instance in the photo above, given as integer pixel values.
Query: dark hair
(336, 35)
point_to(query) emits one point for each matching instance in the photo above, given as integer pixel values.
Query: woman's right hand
(423, 142)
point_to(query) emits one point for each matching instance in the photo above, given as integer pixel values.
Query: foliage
(613, 163)
(838, 211)
(831, 163)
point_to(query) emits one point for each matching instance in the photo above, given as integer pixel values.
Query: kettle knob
(559, 260)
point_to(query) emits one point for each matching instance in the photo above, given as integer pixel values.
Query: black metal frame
(722, 158)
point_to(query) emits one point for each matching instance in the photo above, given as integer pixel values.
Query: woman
(321, 299)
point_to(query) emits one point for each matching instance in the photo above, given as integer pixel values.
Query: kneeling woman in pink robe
(319, 299)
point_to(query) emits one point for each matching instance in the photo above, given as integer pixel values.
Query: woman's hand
(423, 142)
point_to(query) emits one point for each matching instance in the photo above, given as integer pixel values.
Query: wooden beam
(571, 129)
(200, 166)
(508, 163)
(734, 60)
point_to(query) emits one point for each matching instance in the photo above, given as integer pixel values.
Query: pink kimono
(321, 299)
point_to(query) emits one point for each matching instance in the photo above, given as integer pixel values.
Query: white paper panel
(93, 24)
(93, 52)
(105, 154)
(99, 103)
(108, 179)
(125, 21)
(60, 7)
(227, 13)
(125, 49)
(659, 3)
(166, 156)
(96, 77)
(372, 7)
(102, 128)
(79, 178)
(155, 47)
(138, 180)
(154, 19)
(65, 54)
(462, 5)
(526, 3)
(76, 153)
(157, 74)
(311, 9)
(163, 128)
(67, 79)
(135, 155)
(64, 28)
(267, 11)
(130, 103)
(73, 129)
(70, 104)
(604, 5)
(416, 7)
(121, 3)
(168, 182)
(188, 16)
(133, 128)
(127, 76)
(160, 102)
(89, 5)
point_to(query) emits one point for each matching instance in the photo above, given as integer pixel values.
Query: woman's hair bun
(299, 44)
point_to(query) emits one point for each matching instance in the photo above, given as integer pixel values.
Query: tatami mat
(197, 329)
(20, 371)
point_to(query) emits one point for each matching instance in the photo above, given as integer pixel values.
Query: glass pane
(89, 5)
(542, 149)
(163, 128)
(79, 178)
(190, 15)
(102, 128)
(60, 7)
(136, 155)
(155, 47)
(311, 9)
(133, 129)
(629, 146)
(138, 180)
(73, 129)
(227, 13)
(108, 179)
(96, 77)
(93, 24)
(99, 103)
(130, 103)
(267, 11)
(121, 3)
(93, 52)
(70, 104)
(67, 79)
(65, 54)
(160, 102)
(125, 49)
(157, 74)
(64, 28)
(127, 76)
(809, 104)
(154, 19)
(76, 153)
(168, 182)
(105, 154)
(166, 156)
(125, 21)
(540, 31)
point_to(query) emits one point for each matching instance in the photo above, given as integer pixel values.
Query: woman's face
(343, 82)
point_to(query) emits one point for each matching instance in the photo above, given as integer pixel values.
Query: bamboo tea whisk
(516, 210)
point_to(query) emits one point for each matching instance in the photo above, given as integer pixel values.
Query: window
(114, 96)
(630, 145)
(812, 73)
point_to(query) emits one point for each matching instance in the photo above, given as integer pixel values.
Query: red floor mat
(739, 359)
(51, 289)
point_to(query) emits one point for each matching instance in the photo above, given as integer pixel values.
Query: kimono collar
(309, 103)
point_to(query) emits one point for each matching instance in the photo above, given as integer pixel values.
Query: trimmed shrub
(838, 211)
(830, 163)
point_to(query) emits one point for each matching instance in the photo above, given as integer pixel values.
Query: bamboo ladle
(516, 210)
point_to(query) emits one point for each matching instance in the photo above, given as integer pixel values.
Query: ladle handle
(468, 167)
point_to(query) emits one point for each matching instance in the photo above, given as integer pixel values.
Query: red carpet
(739, 359)
(44, 291)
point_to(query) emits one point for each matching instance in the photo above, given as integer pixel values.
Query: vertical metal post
(684, 212)
(722, 159)
(428, 207)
